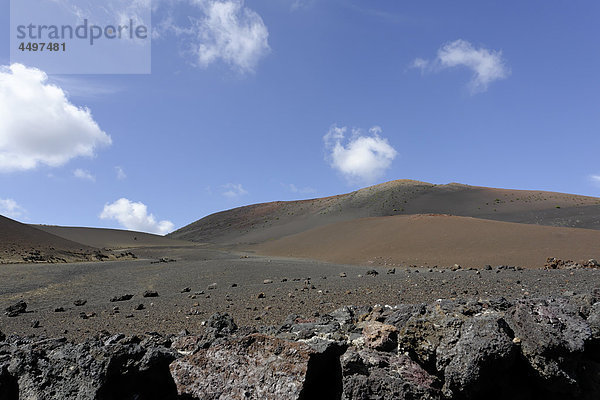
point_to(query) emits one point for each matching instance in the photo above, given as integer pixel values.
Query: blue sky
(268, 100)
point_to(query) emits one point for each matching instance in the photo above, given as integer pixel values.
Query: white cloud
(134, 216)
(38, 124)
(487, 65)
(84, 174)
(9, 208)
(232, 33)
(226, 31)
(120, 173)
(595, 179)
(361, 158)
(234, 190)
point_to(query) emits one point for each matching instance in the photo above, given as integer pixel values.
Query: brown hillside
(436, 240)
(23, 243)
(262, 222)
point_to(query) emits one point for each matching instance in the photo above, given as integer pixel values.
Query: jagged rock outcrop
(102, 368)
(532, 348)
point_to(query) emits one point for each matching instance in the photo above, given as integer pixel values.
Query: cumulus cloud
(234, 190)
(232, 33)
(134, 216)
(226, 31)
(38, 124)
(84, 174)
(487, 65)
(120, 173)
(362, 157)
(9, 208)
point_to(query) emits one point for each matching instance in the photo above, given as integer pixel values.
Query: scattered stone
(19, 307)
(261, 296)
(35, 324)
(342, 274)
(372, 272)
(212, 286)
(267, 281)
(391, 271)
(186, 290)
(124, 297)
(234, 285)
(150, 293)
(59, 309)
(79, 302)
(139, 307)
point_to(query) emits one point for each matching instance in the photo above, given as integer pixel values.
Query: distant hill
(23, 243)
(270, 221)
(109, 238)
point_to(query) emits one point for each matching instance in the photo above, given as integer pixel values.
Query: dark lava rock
(56, 369)
(59, 309)
(463, 349)
(186, 290)
(18, 308)
(593, 321)
(258, 367)
(124, 297)
(139, 307)
(35, 323)
(372, 272)
(220, 325)
(553, 339)
(79, 302)
(150, 293)
(368, 374)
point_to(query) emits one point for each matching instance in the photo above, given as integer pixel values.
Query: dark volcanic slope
(262, 222)
(23, 243)
(109, 238)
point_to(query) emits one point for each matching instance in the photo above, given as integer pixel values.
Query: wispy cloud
(134, 216)
(487, 65)
(39, 125)
(595, 179)
(11, 209)
(233, 190)
(120, 173)
(301, 4)
(361, 158)
(300, 190)
(84, 174)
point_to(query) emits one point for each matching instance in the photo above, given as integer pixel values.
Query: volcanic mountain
(411, 222)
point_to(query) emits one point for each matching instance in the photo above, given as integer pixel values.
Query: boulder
(369, 374)
(379, 336)
(257, 367)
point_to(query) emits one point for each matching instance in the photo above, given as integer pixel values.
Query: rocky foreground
(463, 349)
